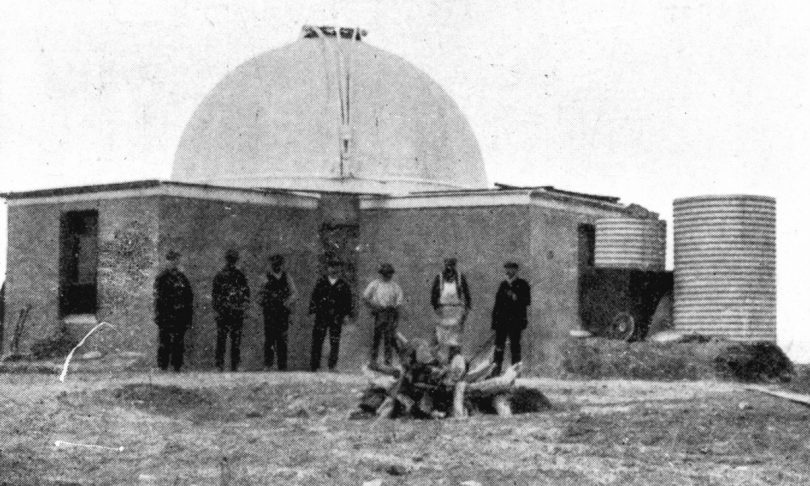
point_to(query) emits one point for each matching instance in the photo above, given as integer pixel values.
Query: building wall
(554, 257)
(416, 241)
(126, 266)
(203, 230)
(135, 232)
(543, 240)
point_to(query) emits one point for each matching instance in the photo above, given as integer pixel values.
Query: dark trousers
(170, 349)
(333, 325)
(385, 331)
(513, 333)
(276, 326)
(228, 325)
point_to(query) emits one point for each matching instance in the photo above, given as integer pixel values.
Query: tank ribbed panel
(631, 243)
(725, 266)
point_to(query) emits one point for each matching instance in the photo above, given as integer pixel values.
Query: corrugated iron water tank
(625, 242)
(725, 266)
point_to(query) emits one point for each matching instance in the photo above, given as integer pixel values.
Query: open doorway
(78, 263)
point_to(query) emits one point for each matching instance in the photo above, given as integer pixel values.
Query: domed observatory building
(330, 113)
(325, 148)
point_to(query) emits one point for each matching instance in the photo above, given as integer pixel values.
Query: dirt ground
(292, 428)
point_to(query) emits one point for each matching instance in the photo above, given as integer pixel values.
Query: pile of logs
(425, 386)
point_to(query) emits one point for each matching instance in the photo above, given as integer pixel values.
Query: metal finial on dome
(354, 33)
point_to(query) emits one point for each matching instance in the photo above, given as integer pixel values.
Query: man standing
(173, 312)
(331, 303)
(230, 297)
(509, 316)
(450, 297)
(384, 297)
(278, 296)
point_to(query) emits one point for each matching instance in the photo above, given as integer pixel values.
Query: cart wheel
(623, 326)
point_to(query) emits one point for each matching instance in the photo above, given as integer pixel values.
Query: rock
(580, 333)
(667, 337)
(397, 470)
(471, 483)
(299, 413)
(91, 355)
(373, 482)
(744, 406)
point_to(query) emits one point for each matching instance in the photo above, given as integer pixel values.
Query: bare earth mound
(697, 358)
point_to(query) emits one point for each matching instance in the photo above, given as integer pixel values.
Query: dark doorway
(587, 244)
(78, 263)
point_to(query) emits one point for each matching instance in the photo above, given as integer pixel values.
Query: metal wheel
(623, 326)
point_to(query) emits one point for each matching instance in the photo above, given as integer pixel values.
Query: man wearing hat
(278, 296)
(173, 312)
(384, 297)
(331, 302)
(509, 315)
(450, 297)
(230, 296)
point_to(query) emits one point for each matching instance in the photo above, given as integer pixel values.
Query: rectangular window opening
(78, 263)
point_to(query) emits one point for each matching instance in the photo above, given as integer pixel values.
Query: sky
(647, 100)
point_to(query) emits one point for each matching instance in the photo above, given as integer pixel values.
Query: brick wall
(416, 241)
(134, 234)
(544, 241)
(203, 230)
(127, 258)
(554, 257)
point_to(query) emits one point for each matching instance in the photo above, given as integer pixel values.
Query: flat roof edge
(141, 184)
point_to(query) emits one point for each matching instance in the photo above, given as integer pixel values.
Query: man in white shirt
(384, 297)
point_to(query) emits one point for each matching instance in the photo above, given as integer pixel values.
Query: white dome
(280, 120)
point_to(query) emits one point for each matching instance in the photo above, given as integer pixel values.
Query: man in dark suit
(230, 296)
(509, 315)
(278, 297)
(174, 307)
(331, 303)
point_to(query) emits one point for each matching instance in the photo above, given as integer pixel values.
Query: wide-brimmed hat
(511, 264)
(386, 269)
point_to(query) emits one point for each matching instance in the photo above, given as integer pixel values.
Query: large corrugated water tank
(626, 242)
(725, 266)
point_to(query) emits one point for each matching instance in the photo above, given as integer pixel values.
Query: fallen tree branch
(498, 384)
(793, 397)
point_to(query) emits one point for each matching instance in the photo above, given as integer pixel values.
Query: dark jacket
(461, 283)
(275, 294)
(511, 302)
(230, 293)
(174, 300)
(331, 301)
